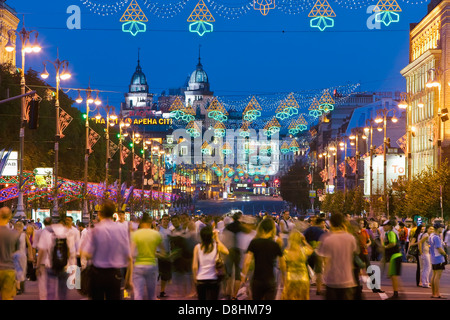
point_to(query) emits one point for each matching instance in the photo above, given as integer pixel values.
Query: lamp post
(386, 141)
(62, 73)
(343, 147)
(405, 104)
(147, 144)
(89, 100)
(355, 143)
(110, 122)
(24, 36)
(368, 130)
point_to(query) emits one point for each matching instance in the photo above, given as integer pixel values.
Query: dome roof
(199, 75)
(138, 80)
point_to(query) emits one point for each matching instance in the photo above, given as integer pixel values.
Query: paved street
(409, 290)
(252, 206)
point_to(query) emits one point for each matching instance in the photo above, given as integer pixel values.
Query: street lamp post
(343, 147)
(24, 36)
(355, 137)
(386, 141)
(89, 100)
(368, 130)
(62, 73)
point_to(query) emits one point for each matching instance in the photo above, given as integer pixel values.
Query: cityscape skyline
(239, 58)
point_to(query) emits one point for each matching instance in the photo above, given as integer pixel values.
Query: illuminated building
(9, 21)
(428, 61)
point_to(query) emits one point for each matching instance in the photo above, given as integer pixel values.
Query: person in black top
(264, 251)
(312, 236)
(233, 260)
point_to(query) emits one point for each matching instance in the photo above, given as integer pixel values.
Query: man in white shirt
(338, 248)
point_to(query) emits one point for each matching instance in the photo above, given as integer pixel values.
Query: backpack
(59, 254)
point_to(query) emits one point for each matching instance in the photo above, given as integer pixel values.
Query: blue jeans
(403, 250)
(56, 285)
(145, 277)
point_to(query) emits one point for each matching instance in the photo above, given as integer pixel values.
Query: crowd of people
(231, 257)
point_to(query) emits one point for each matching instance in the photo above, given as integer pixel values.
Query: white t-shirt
(47, 241)
(206, 264)
(338, 248)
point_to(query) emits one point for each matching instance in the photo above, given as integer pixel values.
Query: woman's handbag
(413, 250)
(220, 266)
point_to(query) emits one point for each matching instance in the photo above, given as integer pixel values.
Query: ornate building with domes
(138, 99)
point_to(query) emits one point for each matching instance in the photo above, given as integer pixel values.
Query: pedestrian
(108, 246)
(414, 251)
(264, 252)
(31, 252)
(375, 240)
(38, 223)
(56, 247)
(144, 242)
(296, 279)
(286, 225)
(424, 250)
(402, 237)
(312, 235)
(204, 264)
(20, 258)
(338, 249)
(392, 255)
(164, 263)
(233, 260)
(9, 243)
(41, 272)
(439, 259)
(181, 258)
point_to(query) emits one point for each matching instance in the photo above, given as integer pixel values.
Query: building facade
(8, 21)
(429, 58)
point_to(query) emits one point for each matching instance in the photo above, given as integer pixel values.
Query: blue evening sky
(239, 57)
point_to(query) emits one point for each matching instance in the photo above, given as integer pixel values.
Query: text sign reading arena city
(138, 121)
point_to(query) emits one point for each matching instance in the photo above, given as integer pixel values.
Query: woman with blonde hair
(31, 252)
(296, 277)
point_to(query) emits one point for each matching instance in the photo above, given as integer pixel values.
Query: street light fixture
(61, 67)
(86, 214)
(24, 36)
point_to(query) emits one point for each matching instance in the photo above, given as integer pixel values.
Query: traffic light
(33, 114)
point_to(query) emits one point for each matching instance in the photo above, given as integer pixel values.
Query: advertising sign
(395, 168)
(10, 169)
(43, 177)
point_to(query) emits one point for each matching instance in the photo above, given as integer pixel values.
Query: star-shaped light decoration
(201, 19)
(386, 11)
(322, 15)
(133, 19)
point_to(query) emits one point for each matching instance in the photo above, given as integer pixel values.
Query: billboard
(10, 168)
(43, 177)
(395, 167)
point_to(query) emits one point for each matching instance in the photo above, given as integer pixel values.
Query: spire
(139, 50)
(138, 68)
(199, 57)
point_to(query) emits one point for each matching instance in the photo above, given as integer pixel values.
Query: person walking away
(296, 279)
(402, 237)
(41, 273)
(264, 252)
(108, 246)
(392, 255)
(56, 249)
(9, 243)
(414, 251)
(230, 237)
(204, 264)
(424, 250)
(20, 258)
(338, 248)
(439, 259)
(312, 235)
(144, 242)
(31, 252)
(164, 263)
